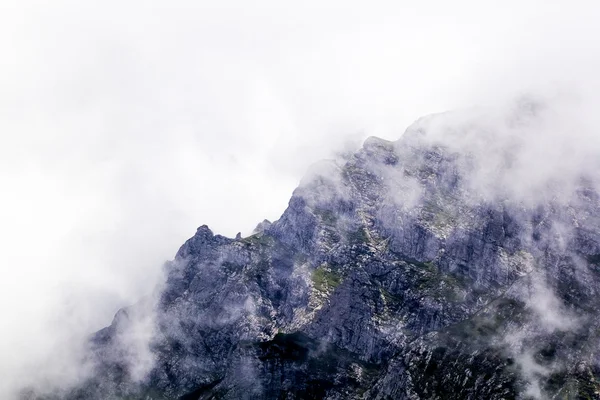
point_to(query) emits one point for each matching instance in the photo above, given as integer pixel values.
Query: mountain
(448, 264)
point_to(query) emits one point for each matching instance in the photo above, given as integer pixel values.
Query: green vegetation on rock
(328, 217)
(324, 279)
(359, 236)
(437, 284)
(259, 239)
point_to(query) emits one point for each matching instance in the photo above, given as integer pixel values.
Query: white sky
(124, 125)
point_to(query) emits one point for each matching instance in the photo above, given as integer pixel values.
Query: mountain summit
(461, 261)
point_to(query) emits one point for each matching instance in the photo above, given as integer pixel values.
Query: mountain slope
(395, 273)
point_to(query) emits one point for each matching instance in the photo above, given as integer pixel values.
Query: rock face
(391, 275)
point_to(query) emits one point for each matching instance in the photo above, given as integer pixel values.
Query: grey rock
(387, 277)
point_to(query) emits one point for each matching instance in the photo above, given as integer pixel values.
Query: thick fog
(125, 125)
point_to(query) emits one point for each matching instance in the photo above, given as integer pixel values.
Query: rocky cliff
(413, 269)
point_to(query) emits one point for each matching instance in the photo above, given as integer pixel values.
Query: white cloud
(124, 125)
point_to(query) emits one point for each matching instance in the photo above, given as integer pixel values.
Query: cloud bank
(124, 125)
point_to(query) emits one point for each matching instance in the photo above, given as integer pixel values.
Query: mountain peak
(204, 230)
(391, 274)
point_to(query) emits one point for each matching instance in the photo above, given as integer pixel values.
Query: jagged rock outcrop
(391, 275)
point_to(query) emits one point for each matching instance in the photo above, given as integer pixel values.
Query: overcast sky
(124, 125)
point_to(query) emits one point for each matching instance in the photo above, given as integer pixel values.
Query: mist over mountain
(125, 125)
(460, 261)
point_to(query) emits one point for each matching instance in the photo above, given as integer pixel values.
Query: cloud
(124, 125)
(529, 150)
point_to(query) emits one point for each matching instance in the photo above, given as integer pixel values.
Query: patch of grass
(390, 298)
(359, 236)
(438, 216)
(328, 217)
(324, 279)
(567, 387)
(437, 284)
(259, 239)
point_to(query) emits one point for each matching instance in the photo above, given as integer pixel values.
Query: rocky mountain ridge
(391, 275)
